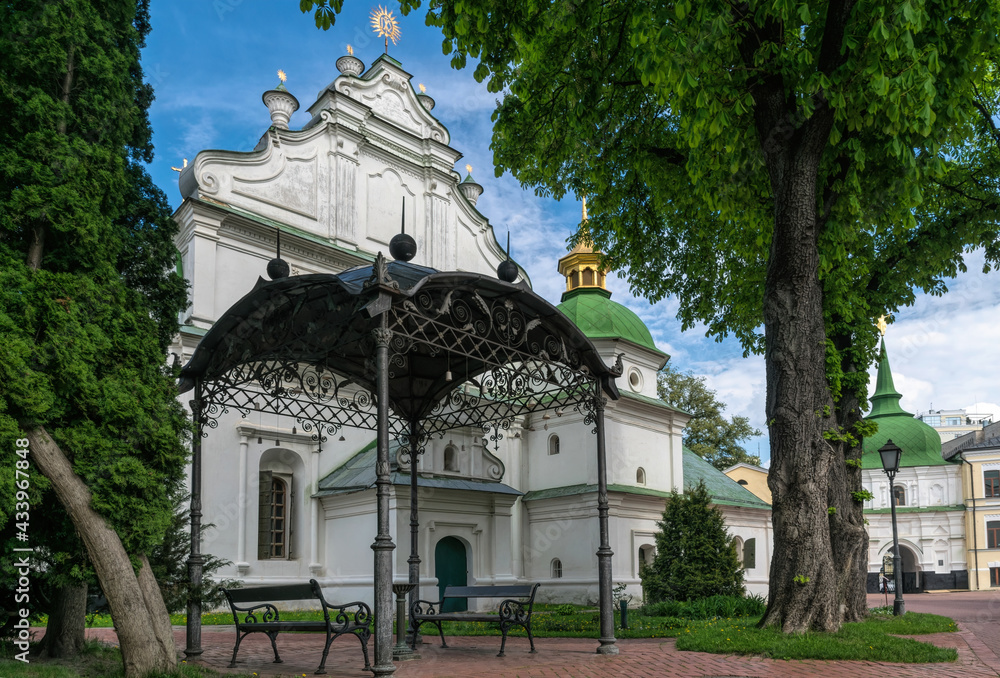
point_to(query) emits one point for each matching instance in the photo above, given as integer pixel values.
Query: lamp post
(890, 454)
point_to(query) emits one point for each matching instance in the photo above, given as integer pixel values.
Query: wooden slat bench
(515, 610)
(338, 620)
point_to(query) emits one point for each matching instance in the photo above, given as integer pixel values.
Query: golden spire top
(350, 50)
(422, 88)
(584, 208)
(281, 75)
(178, 169)
(468, 168)
(385, 26)
(881, 325)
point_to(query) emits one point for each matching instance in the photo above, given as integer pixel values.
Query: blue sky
(210, 62)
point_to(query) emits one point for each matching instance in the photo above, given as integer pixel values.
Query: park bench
(264, 617)
(515, 609)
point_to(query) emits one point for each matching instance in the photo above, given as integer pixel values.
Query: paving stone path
(561, 657)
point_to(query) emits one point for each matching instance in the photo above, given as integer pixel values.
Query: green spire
(885, 401)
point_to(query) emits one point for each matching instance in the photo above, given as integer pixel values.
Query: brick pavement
(557, 658)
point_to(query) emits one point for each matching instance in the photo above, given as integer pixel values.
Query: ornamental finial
(423, 90)
(584, 208)
(350, 50)
(881, 325)
(281, 75)
(385, 26)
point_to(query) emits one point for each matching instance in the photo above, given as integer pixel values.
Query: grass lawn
(876, 639)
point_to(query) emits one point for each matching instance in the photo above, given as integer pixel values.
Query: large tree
(709, 434)
(797, 168)
(88, 303)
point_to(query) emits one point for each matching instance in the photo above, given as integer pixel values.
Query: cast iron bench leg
(441, 631)
(326, 650)
(503, 629)
(364, 648)
(531, 639)
(236, 649)
(273, 636)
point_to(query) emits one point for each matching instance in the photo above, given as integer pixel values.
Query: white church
(290, 502)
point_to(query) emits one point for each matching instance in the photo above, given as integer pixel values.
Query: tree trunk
(143, 650)
(848, 536)
(67, 620)
(803, 580)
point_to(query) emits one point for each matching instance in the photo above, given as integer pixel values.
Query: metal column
(195, 561)
(383, 545)
(604, 552)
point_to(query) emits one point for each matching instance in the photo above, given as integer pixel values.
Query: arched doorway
(451, 569)
(911, 570)
(912, 581)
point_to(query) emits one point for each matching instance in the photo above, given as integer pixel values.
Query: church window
(574, 279)
(553, 444)
(742, 482)
(556, 568)
(640, 476)
(451, 459)
(993, 534)
(991, 480)
(749, 554)
(273, 517)
(588, 276)
(899, 495)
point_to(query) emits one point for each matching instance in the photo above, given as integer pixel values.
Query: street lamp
(890, 454)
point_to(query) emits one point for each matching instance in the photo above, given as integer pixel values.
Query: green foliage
(800, 579)
(831, 510)
(695, 557)
(565, 610)
(708, 608)
(853, 463)
(89, 298)
(862, 495)
(709, 434)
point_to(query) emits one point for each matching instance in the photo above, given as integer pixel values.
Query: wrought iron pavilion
(408, 352)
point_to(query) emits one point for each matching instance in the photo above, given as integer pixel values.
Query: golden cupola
(582, 266)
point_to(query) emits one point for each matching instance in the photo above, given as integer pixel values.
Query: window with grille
(556, 569)
(991, 480)
(273, 517)
(553, 444)
(993, 534)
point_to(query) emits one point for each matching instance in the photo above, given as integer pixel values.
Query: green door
(450, 569)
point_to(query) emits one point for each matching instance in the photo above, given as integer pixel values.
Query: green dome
(598, 317)
(920, 443)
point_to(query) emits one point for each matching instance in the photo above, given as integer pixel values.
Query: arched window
(640, 476)
(899, 495)
(738, 547)
(553, 444)
(588, 276)
(574, 279)
(272, 517)
(749, 554)
(451, 459)
(742, 482)
(556, 568)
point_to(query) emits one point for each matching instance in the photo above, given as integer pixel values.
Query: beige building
(753, 478)
(979, 454)
(952, 424)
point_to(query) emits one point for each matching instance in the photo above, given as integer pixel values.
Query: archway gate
(408, 352)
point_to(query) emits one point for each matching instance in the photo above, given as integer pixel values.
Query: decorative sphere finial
(277, 268)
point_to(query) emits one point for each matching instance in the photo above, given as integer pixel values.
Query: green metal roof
(598, 317)
(358, 473)
(920, 443)
(723, 489)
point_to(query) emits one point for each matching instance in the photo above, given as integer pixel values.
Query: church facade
(289, 501)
